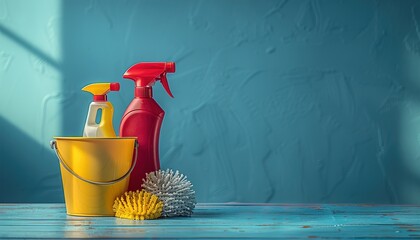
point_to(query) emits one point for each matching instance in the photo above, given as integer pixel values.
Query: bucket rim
(95, 138)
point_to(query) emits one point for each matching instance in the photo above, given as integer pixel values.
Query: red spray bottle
(143, 117)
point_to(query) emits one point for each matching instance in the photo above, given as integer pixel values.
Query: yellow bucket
(94, 172)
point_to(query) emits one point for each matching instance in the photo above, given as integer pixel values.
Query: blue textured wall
(275, 101)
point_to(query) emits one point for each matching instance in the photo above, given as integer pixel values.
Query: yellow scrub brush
(138, 205)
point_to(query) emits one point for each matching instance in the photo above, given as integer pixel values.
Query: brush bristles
(139, 205)
(174, 190)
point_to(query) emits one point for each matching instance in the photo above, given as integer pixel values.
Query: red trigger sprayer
(143, 117)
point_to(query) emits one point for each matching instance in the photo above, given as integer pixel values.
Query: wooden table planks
(260, 221)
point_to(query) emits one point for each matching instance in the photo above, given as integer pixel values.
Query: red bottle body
(143, 119)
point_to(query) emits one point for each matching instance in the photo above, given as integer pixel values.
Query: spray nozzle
(170, 67)
(147, 73)
(99, 90)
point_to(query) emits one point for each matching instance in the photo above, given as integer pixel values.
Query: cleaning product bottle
(100, 103)
(143, 117)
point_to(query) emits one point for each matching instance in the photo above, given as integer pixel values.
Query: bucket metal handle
(53, 145)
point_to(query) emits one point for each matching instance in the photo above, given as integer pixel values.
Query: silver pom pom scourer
(173, 189)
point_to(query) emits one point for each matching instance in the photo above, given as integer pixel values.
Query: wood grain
(287, 221)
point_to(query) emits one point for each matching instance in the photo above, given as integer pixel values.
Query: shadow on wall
(28, 170)
(28, 46)
(22, 175)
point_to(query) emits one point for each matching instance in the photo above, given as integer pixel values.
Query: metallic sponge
(173, 189)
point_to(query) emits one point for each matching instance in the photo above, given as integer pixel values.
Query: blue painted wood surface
(220, 221)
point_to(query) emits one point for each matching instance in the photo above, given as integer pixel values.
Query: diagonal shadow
(29, 47)
(25, 174)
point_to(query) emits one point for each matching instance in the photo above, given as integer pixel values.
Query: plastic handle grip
(93, 111)
(165, 84)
